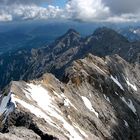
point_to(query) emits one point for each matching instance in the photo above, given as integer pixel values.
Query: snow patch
(13, 99)
(116, 93)
(48, 109)
(34, 110)
(7, 105)
(107, 98)
(66, 102)
(89, 105)
(4, 102)
(129, 104)
(81, 131)
(126, 123)
(131, 85)
(117, 82)
(135, 31)
(77, 127)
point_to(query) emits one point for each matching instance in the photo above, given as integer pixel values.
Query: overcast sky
(83, 10)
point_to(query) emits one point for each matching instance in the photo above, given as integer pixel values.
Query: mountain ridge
(56, 57)
(99, 99)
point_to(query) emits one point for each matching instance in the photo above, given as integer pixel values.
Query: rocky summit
(97, 99)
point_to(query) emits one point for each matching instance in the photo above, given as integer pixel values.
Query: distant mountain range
(32, 63)
(34, 35)
(131, 33)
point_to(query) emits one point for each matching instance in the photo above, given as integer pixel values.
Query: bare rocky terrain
(75, 89)
(97, 100)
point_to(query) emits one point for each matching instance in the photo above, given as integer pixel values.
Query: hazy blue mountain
(131, 32)
(35, 34)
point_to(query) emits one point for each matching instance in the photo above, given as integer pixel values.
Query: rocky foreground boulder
(98, 99)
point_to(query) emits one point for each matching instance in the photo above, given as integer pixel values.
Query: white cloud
(87, 10)
(5, 17)
(84, 10)
(22, 12)
(124, 18)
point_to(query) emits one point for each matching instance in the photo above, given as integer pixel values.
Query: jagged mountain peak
(103, 29)
(71, 34)
(109, 33)
(72, 31)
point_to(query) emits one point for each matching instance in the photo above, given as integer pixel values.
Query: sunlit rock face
(97, 99)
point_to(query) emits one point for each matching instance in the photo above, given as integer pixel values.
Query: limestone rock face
(19, 133)
(98, 99)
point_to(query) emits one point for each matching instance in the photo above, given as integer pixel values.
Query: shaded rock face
(29, 64)
(105, 41)
(97, 100)
(19, 133)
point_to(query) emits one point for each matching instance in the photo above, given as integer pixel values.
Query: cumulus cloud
(84, 10)
(105, 10)
(22, 12)
(33, 12)
(87, 10)
(124, 18)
